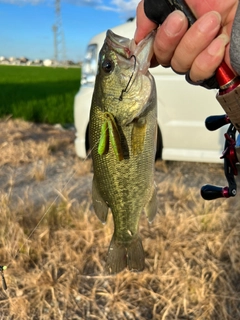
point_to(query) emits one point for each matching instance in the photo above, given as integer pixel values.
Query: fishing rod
(229, 98)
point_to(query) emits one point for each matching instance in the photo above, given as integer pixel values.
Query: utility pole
(54, 29)
(58, 34)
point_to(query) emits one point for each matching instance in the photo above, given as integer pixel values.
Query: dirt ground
(192, 247)
(41, 159)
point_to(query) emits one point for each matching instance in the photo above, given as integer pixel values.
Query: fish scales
(125, 186)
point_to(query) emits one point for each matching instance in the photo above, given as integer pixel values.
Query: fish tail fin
(135, 255)
(117, 257)
(121, 256)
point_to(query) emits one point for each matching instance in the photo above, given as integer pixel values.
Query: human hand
(198, 50)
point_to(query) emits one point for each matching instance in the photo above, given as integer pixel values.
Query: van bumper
(82, 105)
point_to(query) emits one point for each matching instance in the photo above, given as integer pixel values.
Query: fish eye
(107, 66)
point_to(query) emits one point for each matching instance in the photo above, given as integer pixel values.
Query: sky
(26, 25)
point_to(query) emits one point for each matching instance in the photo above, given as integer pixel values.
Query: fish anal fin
(117, 257)
(138, 136)
(135, 255)
(151, 207)
(99, 205)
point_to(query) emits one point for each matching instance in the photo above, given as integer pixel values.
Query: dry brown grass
(192, 252)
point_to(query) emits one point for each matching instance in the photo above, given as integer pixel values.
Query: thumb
(144, 25)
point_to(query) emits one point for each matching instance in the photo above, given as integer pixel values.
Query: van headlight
(89, 66)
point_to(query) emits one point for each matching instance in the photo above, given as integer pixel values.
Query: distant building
(12, 59)
(47, 63)
(23, 60)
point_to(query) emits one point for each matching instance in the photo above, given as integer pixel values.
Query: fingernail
(210, 22)
(218, 45)
(174, 23)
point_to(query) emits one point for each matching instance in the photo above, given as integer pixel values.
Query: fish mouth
(126, 48)
(135, 58)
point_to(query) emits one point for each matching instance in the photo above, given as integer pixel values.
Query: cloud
(124, 7)
(23, 2)
(120, 6)
(88, 3)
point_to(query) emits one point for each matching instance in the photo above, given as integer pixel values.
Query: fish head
(123, 81)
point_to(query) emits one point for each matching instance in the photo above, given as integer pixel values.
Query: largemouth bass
(123, 133)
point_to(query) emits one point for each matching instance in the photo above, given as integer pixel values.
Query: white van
(182, 110)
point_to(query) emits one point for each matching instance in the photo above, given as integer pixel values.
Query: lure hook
(129, 81)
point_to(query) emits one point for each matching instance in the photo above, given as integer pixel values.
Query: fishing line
(2, 268)
(129, 81)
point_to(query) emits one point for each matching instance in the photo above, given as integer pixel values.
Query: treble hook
(125, 90)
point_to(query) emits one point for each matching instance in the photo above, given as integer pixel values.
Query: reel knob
(215, 122)
(210, 192)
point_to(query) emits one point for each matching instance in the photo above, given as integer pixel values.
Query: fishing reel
(228, 97)
(231, 156)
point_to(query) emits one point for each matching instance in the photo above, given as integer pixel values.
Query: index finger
(144, 25)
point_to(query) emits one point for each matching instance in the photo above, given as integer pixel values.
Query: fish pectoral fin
(99, 205)
(138, 136)
(151, 207)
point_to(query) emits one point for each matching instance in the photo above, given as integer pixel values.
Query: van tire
(159, 145)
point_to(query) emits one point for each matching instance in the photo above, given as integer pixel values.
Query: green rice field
(38, 94)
